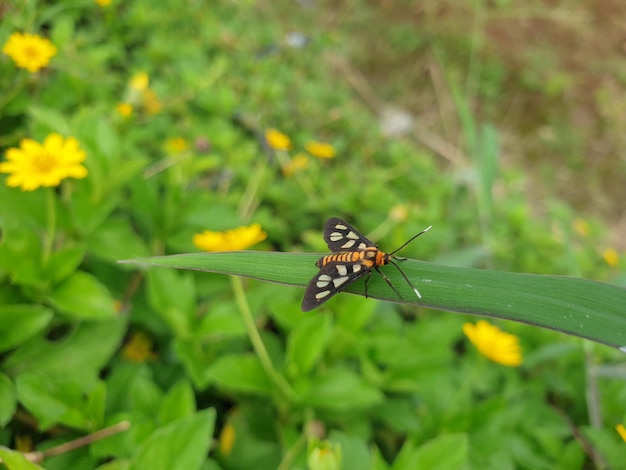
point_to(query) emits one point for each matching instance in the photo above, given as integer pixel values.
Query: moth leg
(367, 280)
(388, 281)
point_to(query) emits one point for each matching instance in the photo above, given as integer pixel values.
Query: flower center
(31, 52)
(45, 162)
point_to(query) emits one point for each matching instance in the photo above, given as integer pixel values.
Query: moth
(353, 256)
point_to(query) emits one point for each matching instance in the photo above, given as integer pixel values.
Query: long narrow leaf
(589, 309)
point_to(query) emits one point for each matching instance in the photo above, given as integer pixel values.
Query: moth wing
(339, 235)
(331, 279)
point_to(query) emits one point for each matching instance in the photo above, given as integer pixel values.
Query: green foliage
(223, 373)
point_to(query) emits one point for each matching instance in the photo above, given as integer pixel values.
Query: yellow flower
(140, 81)
(124, 109)
(34, 164)
(29, 51)
(611, 257)
(103, 3)
(297, 163)
(24, 443)
(227, 439)
(621, 430)
(493, 343)
(320, 149)
(231, 240)
(118, 306)
(581, 226)
(138, 348)
(151, 101)
(398, 213)
(176, 145)
(277, 140)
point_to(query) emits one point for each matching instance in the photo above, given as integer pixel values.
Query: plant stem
(256, 340)
(51, 220)
(39, 456)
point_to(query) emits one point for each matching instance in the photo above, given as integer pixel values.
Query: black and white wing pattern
(340, 236)
(352, 256)
(332, 278)
(341, 268)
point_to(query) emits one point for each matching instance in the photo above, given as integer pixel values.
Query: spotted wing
(339, 235)
(332, 278)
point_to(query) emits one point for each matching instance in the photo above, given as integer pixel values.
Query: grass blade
(588, 309)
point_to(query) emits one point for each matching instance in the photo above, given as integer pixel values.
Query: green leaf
(400, 413)
(194, 359)
(307, 341)
(88, 214)
(256, 445)
(242, 373)
(177, 403)
(63, 263)
(446, 452)
(355, 313)
(579, 307)
(20, 253)
(21, 322)
(117, 464)
(130, 386)
(115, 239)
(340, 389)
(173, 296)
(14, 460)
(8, 399)
(220, 322)
(51, 119)
(145, 396)
(184, 443)
(77, 352)
(355, 454)
(58, 399)
(97, 402)
(82, 296)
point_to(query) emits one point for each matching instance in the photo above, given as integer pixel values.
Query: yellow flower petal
(227, 439)
(611, 257)
(236, 239)
(29, 51)
(621, 430)
(493, 343)
(124, 109)
(277, 140)
(297, 163)
(34, 165)
(321, 149)
(399, 213)
(581, 226)
(176, 145)
(151, 101)
(24, 443)
(140, 81)
(138, 348)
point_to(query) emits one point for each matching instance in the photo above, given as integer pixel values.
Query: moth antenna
(410, 240)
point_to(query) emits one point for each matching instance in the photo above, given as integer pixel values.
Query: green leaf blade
(84, 297)
(241, 373)
(588, 309)
(183, 443)
(21, 322)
